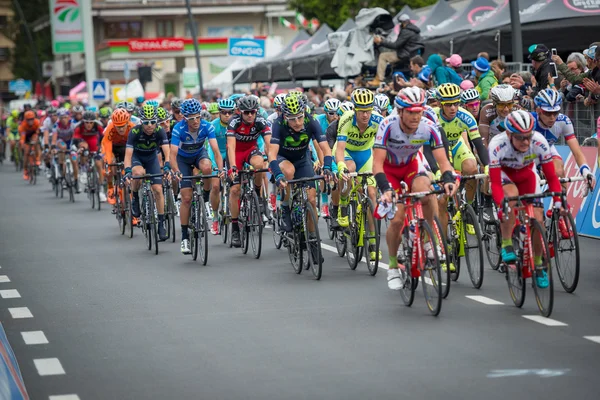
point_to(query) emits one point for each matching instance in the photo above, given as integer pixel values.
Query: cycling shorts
(187, 164)
(150, 164)
(63, 145)
(242, 158)
(404, 173)
(461, 152)
(303, 168)
(363, 160)
(13, 136)
(527, 179)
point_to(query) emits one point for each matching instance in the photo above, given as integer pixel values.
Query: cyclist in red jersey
(242, 135)
(87, 136)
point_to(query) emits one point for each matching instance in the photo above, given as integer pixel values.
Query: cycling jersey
(507, 165)
(114, 142)
(562, 127)
(293, 146)
(272, 118)
(322, 120)
(64, 133)
(27, 131)
(47, 125)
(462, 122)
(246, 138)
(191, 144)
(91, 137)
(221, 136)
(355, 140)
(331, 133)
(146, 145)
(12, 124)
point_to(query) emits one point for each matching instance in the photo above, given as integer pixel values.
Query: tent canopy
(463, 20)
(300, 39)
(439, 13)
(315, 41)
(414, 18)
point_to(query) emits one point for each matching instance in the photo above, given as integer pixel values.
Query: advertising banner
(65, 21)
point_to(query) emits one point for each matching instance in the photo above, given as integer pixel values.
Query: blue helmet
(153, 103)
(236, 97)
(226, 104)
(140, 99)
(548, 100)
(190, 106)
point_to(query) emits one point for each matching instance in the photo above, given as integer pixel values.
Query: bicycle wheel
(493, 244)
(120, 208)
(544, 295)
(330, 232)
(370, 237)
(295, 251)
(153, 219)
(223, 218)
(443, 261)
(91, 188)
(313, 241)
(453, 244)
(431, 275)
(202, 232)
(128, 214)
(70, 183)
(244, 220)
(340, 243)
(255, 226)
(514, 272)
(96, 174)
(409, 284)
(196, 214)
(472, 243)
(353, 252)
(277, 235)
(566, 252)
(170, 213)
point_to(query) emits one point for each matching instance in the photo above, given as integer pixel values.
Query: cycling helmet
(344, 107)
(236, 97)
(120, 104)
(29, 115)
(105, 112)
(278, 100)
(153, 103)
(519, 122)
(120, 117)
(77, 109)
(41, 113)
(26, 106)
(91, 108)
(205, 114)
(362, 98)
(295, 92)
(448, 92)
(469, 95)
(332, 105)
(130, 107)
(175, 103)
(51, 110)
(213, 108)
(148, 112)
(411, 99)
(226, 104)
(548, 100)
(190, 107)
(162, 114)
(14, 113)
(139, 99)
(55, 103)
(431, 94)
(62, 112)
(382, 101)
(248, 103)
(502, 94)
(89, 116)
(292, 105)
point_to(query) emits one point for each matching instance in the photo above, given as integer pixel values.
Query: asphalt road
(122, 323)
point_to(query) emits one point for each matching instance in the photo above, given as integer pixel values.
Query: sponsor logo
(479, 13)
(140, 45)
(584, 6)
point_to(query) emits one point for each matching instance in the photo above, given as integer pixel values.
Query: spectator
(499, 67)
(589, 79)
(577, 64)
(407, 44)
(455, 62)
(505, 78)
(486, 79)
(484, 54)
(416, 65)
(540, 60)
(466, 85)
(442, 74)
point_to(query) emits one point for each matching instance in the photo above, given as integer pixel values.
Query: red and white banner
(158, 44)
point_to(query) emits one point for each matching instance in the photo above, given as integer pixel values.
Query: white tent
(223, 81)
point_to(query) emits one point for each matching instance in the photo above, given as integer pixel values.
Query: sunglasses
(30, 119)
(551, 113)
(505, 105)
(176, 111)
(331, 114)
(249, 112)
(451, 104)
(150, 122)
(193, 119)
(226, 112)
(88, 121)
(474, 104)
(299, 117)
(523, 138)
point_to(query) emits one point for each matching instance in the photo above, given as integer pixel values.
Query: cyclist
(331, 108)
(288, 152)
(396, 159)
(513, 156)
(141, 157)
(176, 112)
(382, 104)
(62, 136)
(432, 99)
(226, 110)
(104, 115)
(46, 129)
(164, 121)
(470, 100)
(354, 152)
(243, 132)
(29, 131)
(77, 114)
(188, 152)
(130, 107)
(277, 105)
(551, 123)
(213, 109)
(113, 145)
(12, 125)
(86, 137)
(492, 115)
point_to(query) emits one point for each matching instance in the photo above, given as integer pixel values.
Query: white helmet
(502, 94)
(332, 105)
(382, 101)
(469, 95)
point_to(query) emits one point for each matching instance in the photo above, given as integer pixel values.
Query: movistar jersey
(293, 146)
(146, 145)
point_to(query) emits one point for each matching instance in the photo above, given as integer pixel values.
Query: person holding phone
(542, 66)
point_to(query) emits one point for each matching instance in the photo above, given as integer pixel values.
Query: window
(188, 32)
(123, 29)
(3, 21)
(164, 28)
(4, 53)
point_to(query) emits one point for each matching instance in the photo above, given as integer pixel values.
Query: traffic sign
(20, 86)
(101, 90)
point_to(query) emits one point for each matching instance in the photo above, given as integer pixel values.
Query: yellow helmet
(292, 105)
(448, 92)
(362, 98)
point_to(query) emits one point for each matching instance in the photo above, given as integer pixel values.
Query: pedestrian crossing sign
(100, 90)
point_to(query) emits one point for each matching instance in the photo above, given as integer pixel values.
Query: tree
(23, 64)
(344, 9)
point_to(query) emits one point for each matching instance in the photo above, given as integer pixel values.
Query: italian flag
(287, 24)
(313, 24)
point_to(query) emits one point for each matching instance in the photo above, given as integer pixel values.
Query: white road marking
(20, 312)
(65, 397)
(485, 300)
(544, 321)
(34, 337)
(595, 339)
(48, 366)
(10, 294)
(4, 279)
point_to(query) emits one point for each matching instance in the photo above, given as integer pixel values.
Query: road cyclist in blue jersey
(188, 152)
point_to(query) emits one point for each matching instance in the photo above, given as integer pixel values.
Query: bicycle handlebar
(253, 171)
(355, 174)
(115, 165)
(476, 176)
(199, 177)
(303, 180)
(565, 180)
(419, 195)
(533, 196)
(147, 176)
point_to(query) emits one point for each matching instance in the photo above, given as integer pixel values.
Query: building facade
(6, 47)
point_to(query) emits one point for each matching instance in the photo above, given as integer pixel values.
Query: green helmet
(292, 105)
(105, 112)
(163, 115)
(213, 108)
(148, 112)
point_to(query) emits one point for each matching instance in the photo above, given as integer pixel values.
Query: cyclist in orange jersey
(113, 144)
(29, 130)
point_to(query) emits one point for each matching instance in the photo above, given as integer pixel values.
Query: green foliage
(335, 12)
(23, 61)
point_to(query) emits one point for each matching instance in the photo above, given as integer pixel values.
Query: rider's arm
(129, 151)
(542, 150)
(214, 145)
(577, 153)
(107, 149)
(342, 136)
